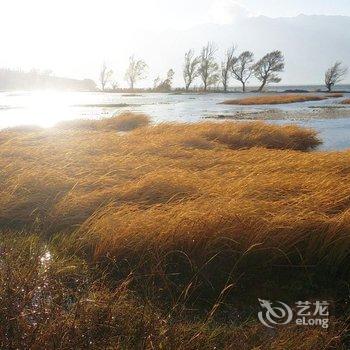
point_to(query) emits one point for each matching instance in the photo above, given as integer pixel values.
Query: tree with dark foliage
(267, 68)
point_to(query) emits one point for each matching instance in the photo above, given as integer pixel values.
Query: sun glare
(41, 108)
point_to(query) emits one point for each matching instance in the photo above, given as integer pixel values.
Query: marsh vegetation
(165, 236)
(275, 99)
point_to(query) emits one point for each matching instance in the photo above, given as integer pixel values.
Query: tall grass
(143, 224)
(57, 302)
(122, 122)
(47, 173)
(335, 95)
(274, 99)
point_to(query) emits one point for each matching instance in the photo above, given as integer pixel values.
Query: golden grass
(174, 209)
(122, 122)
(335, 95)
(43, 172)
(57, 302)
(172, 187)
(274, 99)
(22, 128)
(62, 177)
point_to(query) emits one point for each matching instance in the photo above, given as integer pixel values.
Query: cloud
(227, 11)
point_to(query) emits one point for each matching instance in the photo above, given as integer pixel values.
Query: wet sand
(278, 114)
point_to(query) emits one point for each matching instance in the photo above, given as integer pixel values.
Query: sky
(290, 8)
(74, 37)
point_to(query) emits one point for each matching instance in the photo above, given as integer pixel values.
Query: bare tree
(190, 68)
(105, 76)
(242, 68)
(226, 66)
(334, 75)
(114, 84)
(266, 69)
(208, 68)
(136, 71)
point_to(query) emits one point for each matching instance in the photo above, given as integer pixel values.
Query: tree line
(204, 67)
(239, 67)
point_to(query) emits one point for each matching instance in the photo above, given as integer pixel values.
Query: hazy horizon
(74, 39)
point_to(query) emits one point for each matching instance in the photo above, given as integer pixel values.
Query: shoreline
(278, 114)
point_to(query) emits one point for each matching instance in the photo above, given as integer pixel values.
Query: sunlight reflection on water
(41, 298)
(46, 109)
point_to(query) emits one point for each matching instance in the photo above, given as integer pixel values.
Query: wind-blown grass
(123, 122)
(56, 301)
(173, 213)
(275, 99)
(43, 172)
(335, 95)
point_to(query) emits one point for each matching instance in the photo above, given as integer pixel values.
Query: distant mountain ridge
(310, 43)
(36, 80)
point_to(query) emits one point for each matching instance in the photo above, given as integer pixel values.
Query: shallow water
(47, 108)
(335, 133)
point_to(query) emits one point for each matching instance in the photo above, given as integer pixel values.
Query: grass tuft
(335, 95)
(274, 99)
(121, 122)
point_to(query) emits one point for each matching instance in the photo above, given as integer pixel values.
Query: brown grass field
(335, 95)
(346, 102)
(123, 122)
(165, 236)
(275, 99)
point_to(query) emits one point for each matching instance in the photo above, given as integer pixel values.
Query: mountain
(36, 80)
(310, 44)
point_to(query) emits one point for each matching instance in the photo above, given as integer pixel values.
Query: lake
(47, 108)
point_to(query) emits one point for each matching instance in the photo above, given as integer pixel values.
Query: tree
(156, 82)
(170, 77)
(135, 71)
(226, 66)
(164, 85)
(190, 68)
(105, 76)
(266, 69)
(208, 68)
(114, 84)
(334, 75)
(242, 68)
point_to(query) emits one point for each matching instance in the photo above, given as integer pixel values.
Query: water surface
(48, 108)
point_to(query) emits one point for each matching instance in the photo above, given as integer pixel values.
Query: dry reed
(122, 122)
(173, 205)
(274, 99)
(335, 95)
